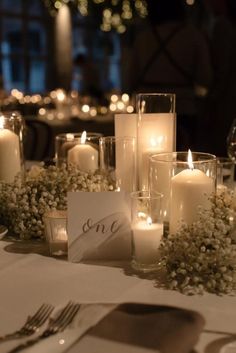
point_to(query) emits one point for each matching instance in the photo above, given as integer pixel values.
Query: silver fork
(32, 323)
(61, 321)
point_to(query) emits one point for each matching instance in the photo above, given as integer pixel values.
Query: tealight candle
(146, 240)
(84, 156)
(56, 233)
(147, 230)
(58, 244)
(10, 160)
(190, 189)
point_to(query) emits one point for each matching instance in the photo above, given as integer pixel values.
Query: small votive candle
(147, 230)
(55, 223)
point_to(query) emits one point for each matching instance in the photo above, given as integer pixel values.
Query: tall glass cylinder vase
(186, 181)
(118, 162)
(11, 146)
(156, 130)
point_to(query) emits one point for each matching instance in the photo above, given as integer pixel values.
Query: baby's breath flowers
(23, 203)
(202, 256)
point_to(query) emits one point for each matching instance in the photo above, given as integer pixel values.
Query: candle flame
(142, 215)
(149, 221)
(190, 160)
(83, 137)
(1, 121)
(156, 142)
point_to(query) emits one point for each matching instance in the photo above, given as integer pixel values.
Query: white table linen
(28, 279)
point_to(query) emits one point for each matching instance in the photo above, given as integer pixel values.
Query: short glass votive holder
(11, 146)
(225, 172)
(55, 224)
(147, 230)
(118, 162)
(78, 149)
(186, 180)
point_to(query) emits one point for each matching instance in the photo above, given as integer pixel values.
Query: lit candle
(84, 156)
(146, 240)
(10, 163)
(156, 134)
(126, 125)
(189, 189)
(155, 145)
(59, 243)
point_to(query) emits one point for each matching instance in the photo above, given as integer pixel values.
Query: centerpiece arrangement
(181, 225)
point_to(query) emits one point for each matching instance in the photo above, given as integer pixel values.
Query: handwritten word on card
(98, 226)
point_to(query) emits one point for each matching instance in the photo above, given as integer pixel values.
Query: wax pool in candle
(189, 189)
(146, 241)
(10, 164)
(84, 156)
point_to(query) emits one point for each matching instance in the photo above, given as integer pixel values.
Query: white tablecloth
(29, 279)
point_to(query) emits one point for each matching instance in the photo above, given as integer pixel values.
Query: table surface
(29, 277)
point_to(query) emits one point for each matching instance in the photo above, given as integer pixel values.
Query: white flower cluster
(202, 257)
(24, 202)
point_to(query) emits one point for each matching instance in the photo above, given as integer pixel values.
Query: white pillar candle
(158, 128)
(155, 145)
(10, 160)
(190, 189)
(126, 125)
(146, 241)
(84, 156)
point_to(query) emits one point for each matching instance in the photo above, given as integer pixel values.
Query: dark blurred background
(87, 47)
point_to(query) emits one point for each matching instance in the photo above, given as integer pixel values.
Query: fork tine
(67, 317)
(62, 314)
(32, 323)
(38, 319)
(62, 320)
(74, 311)
(30, 319)
(38, 314)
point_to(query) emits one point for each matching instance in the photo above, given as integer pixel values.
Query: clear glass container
(11, 146)
(147, 229)
(80, 149)
(186, 181)
(118, 162)
(55, 225)
(156, 130)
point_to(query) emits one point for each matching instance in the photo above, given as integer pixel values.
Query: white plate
(3, 231)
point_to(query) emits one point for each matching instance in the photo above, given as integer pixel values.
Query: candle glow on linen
(146, 240)
(189, 189)
(10, 160)
(84, 156)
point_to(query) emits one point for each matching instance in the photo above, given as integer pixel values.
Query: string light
(115, 13)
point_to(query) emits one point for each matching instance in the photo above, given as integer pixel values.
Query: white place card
(98, 226)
